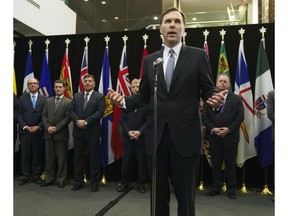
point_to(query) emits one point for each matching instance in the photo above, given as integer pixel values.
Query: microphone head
(158, 61)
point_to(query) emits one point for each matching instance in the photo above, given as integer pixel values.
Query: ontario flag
(123, 88)
(65, 75)
(263, 126)
(107, 154)
(246, 147)
(223, 66)
(145, 53)
(45, 87)
(84, 69)
(29, 74)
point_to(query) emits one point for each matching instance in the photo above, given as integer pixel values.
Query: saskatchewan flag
(263, 126)
(223, 67)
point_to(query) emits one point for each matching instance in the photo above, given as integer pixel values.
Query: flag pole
(201, 186)
(244, 189)
(266, 189)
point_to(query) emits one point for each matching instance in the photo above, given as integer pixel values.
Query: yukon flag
(246, 147)
(223, 67)
(45, 87)
(84, 69)
(263, 126)
(107, 154)
(28, 72)
(14, 82)
(65, 75)
(145, 53)
(123, 88)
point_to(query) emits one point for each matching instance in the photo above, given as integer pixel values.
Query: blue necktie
(33, 101)
(170, 69)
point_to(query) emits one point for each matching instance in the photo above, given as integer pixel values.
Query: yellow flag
(14, 82)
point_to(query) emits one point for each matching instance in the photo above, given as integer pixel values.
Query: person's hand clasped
(115, 97)
(217, 100)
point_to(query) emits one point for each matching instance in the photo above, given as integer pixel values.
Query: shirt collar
(176, 49)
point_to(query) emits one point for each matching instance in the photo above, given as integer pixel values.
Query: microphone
(158, 61)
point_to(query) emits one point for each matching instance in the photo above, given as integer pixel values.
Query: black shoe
(94, 188)
(37, 181)
(123, 188)
(231, 196)
(76, 187)
(45, 184)
(141, 189)
(23, 181)
(213, 193)
(61, 184)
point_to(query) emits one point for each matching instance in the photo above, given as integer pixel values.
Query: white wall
(53, 17)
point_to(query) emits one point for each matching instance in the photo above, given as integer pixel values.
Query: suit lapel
(181, 60)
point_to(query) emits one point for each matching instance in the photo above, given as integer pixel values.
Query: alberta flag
(246, 147)
(107, 154)
(45, 87)
(123, 88)
(263, 126)
(223, 67)
(84, 69)
(28, 72)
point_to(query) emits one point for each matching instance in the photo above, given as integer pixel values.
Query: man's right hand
(115, 97)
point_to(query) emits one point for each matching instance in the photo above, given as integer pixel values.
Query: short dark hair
(88, 76)
(59, 81)
(170, 10)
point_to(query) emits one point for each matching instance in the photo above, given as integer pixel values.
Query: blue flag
(107, 154)
(45, 87)
(28, 72)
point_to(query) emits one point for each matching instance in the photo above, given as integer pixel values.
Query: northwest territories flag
(263, 126)
(107, 154)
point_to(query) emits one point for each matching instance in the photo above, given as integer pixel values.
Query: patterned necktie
(85, 100)
(57, 101)
(33, 101)
(170, 69)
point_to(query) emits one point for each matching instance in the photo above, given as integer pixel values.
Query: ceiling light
(85, 0)
(125, 29)
(155, 18)
(194, 18)
(116, 18)
(103, 2)
(103, 20)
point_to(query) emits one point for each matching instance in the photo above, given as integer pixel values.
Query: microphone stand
(154, 156)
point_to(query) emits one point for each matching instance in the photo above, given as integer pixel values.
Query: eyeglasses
(35, 83)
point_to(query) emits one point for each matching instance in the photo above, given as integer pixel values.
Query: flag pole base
(85, 179)
(42, 177)
(201, 186)
(224, 188)
(103, 180)
(244, 189)
(266, 190)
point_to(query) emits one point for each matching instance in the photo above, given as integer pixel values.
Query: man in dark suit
(86, 110)
(222, 132)
(134, 125)
(178, 126)
(55, 118)
(31, 132)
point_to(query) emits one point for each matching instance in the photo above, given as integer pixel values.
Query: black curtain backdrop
(135, 44)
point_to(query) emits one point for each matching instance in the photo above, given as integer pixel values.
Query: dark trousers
(180, 172)
(93, 146)
(56, 152)
(227, 151)
(31, 146)
(129, 149)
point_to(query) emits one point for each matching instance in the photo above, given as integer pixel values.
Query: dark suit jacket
(29, 116)
(231, 117)
(180, 106)
(58, 118)
(92, 114)
(135, 120)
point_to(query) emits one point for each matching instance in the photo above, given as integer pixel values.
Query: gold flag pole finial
(30, 42)
(107, 39)
(125, 38)
(222, 33)
(184, 36)
(145, 38)
(241, 32)
(86, 40)
(263, 31)
(67, 41)
(206, 33)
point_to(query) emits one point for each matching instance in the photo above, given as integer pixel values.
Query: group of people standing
(179, 136)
